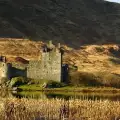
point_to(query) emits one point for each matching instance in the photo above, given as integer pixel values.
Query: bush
(54, 84)
(16, 81)
(94, 79)
(83, 79)
(100, 49)
(73, 68)
(110, 80)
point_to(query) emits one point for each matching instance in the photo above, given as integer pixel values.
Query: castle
(49, 67)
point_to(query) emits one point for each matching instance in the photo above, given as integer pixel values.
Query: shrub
(54, 84)
(110, 80)
(83, 79)
(100, 49)
(16, 81)
(94, 79)
(73, 68)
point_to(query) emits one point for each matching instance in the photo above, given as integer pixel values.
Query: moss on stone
(17, 81)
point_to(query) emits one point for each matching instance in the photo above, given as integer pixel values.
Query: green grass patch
(16, 81)
(32, 87)
(70, 89)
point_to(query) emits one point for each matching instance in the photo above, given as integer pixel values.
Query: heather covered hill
(72, 22)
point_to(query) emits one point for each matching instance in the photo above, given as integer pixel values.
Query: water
(61, 95)
(68, 95)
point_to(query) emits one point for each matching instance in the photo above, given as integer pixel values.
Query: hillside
(71, 22)
(89, 31)
(89, 58)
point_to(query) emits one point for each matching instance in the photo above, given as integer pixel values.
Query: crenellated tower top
(50, 47)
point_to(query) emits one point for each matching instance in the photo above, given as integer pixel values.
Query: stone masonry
(49, 67)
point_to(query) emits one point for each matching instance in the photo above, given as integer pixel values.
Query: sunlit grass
(57, 109)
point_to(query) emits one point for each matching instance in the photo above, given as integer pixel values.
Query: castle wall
(3, 71)
(49, 68)
(8, 70)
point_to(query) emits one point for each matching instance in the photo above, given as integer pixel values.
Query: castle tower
(59, 46)
(50, 65)
(50, 44)
(5, 70)
(49, 68)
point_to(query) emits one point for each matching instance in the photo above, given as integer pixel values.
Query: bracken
(58, 109)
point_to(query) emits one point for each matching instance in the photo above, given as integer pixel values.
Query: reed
(58, 109)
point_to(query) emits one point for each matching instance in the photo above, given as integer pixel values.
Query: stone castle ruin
(49, 67)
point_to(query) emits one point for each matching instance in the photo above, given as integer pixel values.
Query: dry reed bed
(57, 109)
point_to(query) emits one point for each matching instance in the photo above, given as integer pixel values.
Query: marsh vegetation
(58, 109)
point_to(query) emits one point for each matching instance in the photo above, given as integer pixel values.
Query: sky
(114, 1)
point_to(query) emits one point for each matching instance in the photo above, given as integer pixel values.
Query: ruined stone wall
(4, 71)
(10, 70)
(49, 68)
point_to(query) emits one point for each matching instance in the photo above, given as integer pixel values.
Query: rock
(16, 89)
(44, 85)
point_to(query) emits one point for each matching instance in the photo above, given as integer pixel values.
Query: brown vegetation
(16, 48)
(100, 63)
(58, 109)
(96, 79)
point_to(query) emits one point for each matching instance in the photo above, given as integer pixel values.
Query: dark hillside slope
(72, 22)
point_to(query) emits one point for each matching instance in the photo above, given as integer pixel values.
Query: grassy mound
(94, 79)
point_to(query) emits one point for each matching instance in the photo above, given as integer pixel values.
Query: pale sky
(114, 1)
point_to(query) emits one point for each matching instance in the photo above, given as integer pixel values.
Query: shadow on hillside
(73, 23)
(115, 61)
(115, 53)
(83, 79)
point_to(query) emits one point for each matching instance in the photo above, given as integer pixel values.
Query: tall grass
(58, 109)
